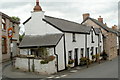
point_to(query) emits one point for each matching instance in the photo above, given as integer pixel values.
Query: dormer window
(74, 37)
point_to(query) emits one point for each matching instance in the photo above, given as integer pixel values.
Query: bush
(44, 62)
(104, 55)
(71, 61)
(47, 59)
(93, 56)
(83, 61)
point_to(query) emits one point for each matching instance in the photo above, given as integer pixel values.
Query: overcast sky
(67, 9)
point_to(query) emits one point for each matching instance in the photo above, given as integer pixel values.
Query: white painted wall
(90, 44)
(70, 45)
(95, 44)
(36, 26)
(60, 52)
(22, 63)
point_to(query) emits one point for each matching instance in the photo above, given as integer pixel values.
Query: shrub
(83, 61)
(71, 61)
(47, 59)
(104, 55)
(44, 62)
(93, 56)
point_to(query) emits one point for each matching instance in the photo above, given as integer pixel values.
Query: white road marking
(63, 75)
(50, 77)
(57, 77)
(73, 71)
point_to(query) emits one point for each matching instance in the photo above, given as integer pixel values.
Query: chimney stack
(37, 7)
(86, 15)
(114, 27)
(100, 19)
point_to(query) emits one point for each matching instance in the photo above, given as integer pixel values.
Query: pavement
(95, 70)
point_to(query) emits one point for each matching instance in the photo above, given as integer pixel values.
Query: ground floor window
(82, 52)
(69, 54)
(4, 45)
(41, 52)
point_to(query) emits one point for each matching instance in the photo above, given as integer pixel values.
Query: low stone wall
(34, 65)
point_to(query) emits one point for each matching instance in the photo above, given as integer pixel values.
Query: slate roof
(67, 26)
(102, 25)
(40, 41)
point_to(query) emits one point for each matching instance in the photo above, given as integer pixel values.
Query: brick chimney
(37, 7)
(86, 15)
(100, 19)
(114, 27)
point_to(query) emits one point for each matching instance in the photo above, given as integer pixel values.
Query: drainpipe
(99, 46)
(11, 53)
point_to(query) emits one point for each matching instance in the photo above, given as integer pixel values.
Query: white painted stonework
(70, 45)
(60, 52)
(36, 26)
(22, 63)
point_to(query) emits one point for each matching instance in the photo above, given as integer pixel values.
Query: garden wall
(35, 65)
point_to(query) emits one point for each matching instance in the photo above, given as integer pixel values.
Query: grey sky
(66, 9)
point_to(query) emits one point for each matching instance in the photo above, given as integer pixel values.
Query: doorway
(76, 57)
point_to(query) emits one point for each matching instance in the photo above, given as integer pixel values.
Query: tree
(15, 18)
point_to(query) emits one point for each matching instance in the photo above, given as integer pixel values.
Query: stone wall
(23, 64)
(111, 45)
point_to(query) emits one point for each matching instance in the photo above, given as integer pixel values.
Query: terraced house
(110, 39)
(64, 39)
(8, 46)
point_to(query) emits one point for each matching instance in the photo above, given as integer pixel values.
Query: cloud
(66, 9)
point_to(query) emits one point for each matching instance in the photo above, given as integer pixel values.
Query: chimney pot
(114, 27)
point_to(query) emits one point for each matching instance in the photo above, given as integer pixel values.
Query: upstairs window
(3, 24)
(74, 37)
